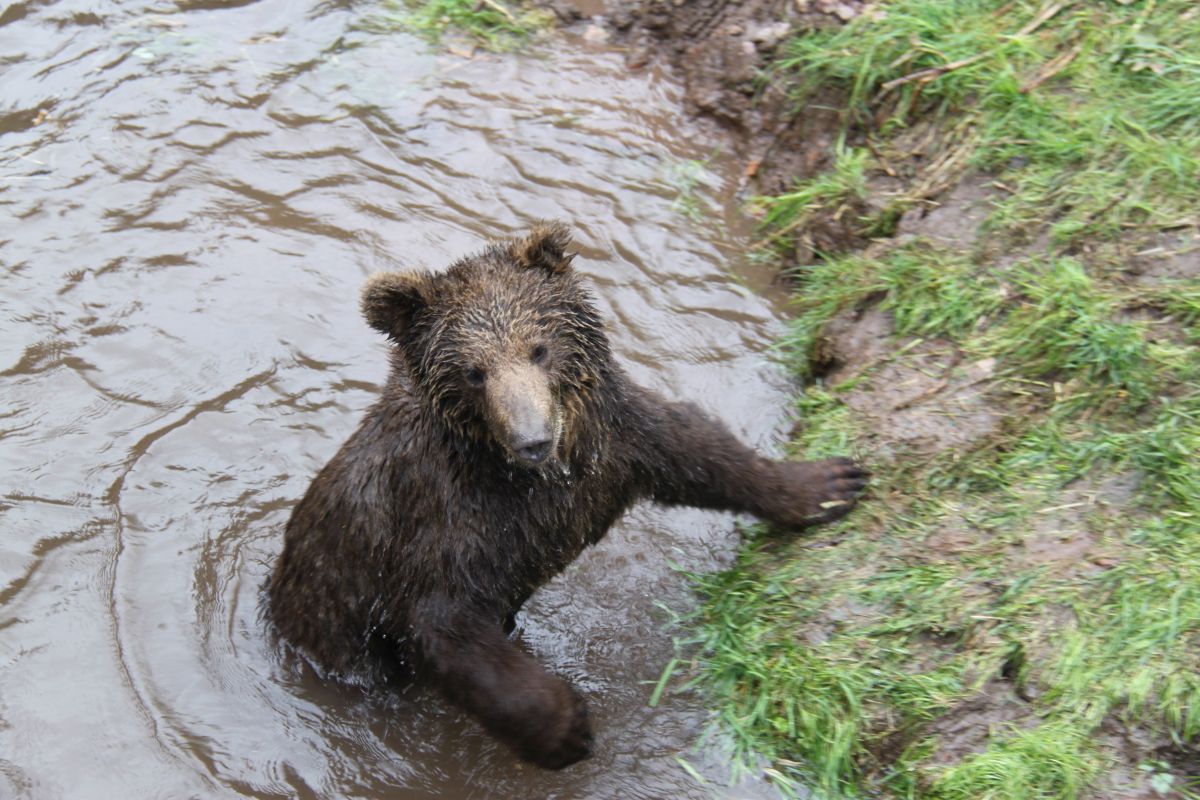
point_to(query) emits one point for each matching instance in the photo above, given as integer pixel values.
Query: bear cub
(505, 442)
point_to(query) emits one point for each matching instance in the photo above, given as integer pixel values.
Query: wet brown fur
(426, 532)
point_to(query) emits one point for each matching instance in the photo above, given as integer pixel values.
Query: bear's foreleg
(468, 657)
(692, 459)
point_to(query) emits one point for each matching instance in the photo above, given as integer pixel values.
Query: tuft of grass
(837, 192)
(1046, 87)
(931, 292)
(491, 24)
(828, 426)
(1067, 326)
(827, 292)
(811, 703)
(1053, 761)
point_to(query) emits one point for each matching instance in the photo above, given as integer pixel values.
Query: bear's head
(504, 346)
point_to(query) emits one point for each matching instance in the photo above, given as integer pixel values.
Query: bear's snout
(534, 453)
(523, 414)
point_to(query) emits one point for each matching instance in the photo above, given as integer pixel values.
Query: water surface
(191, 194)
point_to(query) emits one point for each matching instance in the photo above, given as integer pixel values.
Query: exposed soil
(1171, 256)
(966, 728)
(1139, 754)
(956, 217)
(917, 397)
(1060, 539)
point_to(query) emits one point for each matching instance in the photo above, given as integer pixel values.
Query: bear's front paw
(566, 740)
(815, 492)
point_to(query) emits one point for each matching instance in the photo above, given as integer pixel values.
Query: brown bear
(505, 442)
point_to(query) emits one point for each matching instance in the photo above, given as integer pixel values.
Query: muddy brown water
(190, 197)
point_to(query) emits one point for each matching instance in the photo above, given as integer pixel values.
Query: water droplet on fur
(530, 492)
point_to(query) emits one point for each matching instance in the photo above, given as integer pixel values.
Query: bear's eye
(539, 354)
(475, 376)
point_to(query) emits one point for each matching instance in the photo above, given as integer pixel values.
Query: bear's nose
(534, 452)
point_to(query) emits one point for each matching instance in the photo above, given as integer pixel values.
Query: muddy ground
(721, 50)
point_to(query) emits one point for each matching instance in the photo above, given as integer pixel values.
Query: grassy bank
(1014, 611)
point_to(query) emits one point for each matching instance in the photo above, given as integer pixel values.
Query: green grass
(833, 193)
(841, 657)
(828, 659)
(1054, 319)
(1051, 761)
(820, 696)
(490, 24)
(1090, 116)
(1067, 325)
(936, 293)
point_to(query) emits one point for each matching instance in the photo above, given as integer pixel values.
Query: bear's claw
(816, 492)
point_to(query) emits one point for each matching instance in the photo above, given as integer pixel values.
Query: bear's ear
(545, 247)
(390, 300)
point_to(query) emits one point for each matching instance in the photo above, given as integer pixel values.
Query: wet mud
(917, 397)
(190, 197)
(722, 52)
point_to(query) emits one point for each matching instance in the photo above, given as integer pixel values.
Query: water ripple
(190, 197)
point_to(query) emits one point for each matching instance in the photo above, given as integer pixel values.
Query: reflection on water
(190, 196)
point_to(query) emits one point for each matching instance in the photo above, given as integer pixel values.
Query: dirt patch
(852, 341)
(956, 218)
(1063, 540)
(967, 728)
(1146, 765)
(1171, 256)
(837, 616)
(914, 396)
